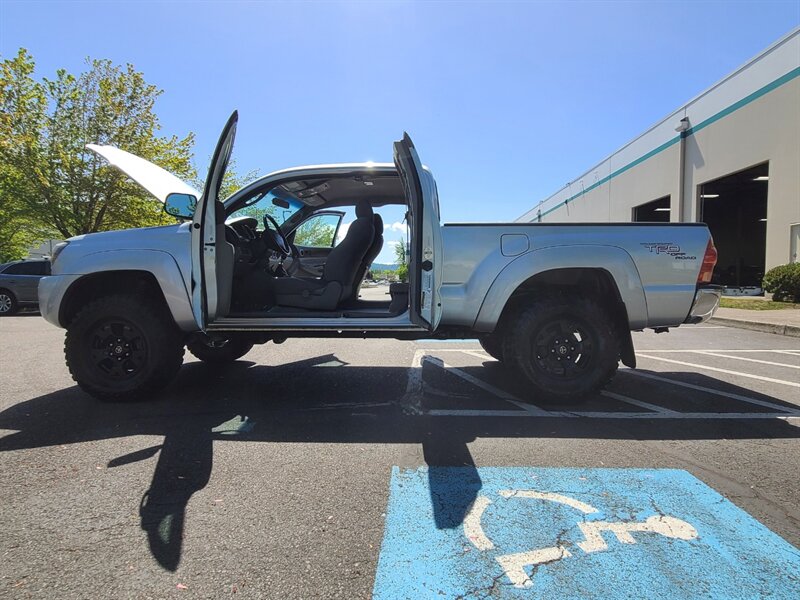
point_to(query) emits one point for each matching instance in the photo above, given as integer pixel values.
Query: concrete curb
(777, 328)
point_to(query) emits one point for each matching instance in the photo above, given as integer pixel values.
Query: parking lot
(271, 477)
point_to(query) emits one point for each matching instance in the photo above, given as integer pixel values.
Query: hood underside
(159, 182)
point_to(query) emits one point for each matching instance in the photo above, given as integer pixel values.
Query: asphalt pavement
(270, 478)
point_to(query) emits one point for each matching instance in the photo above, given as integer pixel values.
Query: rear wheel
(219, 352)
(8, 303)
(493, 345)
(565, 350)
(123, 348)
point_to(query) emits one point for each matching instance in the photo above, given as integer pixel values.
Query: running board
(393, 324)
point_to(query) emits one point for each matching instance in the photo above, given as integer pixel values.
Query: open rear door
(425, 264)
(206, 244)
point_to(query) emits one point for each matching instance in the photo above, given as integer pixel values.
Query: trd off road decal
(669, 249)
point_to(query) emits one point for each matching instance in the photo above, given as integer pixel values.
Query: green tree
(315, 232)
(402, 262)
(47, 176)
(232, 180)
(18, 118)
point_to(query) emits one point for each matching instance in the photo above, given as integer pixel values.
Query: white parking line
(639, 403)
(487, 387)
(415, 387)
(479, 354)
(468, 412)
(709, 390)
(718, 370)
(755, 360)
(789, 352)
(791, 417)
(413, 395)
(732, 350)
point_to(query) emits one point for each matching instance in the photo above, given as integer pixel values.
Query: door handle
(426, 265)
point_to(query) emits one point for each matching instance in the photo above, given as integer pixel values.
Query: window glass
(260, 205)
(318, 231)
(26, 268)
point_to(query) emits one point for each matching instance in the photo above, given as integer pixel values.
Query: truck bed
(654, 265)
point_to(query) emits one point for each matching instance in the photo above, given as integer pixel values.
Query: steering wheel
(279, 241)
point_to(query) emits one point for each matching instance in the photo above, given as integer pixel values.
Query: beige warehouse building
(730, 158)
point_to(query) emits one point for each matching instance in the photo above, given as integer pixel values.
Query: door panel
(209, 248)
(29, 288)
(425, 265)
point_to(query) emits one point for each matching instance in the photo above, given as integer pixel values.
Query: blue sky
(506, 102)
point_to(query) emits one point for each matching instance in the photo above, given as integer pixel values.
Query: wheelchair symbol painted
(514, 564)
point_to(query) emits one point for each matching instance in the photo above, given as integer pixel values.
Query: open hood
(151, 177)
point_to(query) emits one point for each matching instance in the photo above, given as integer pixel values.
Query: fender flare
(162, 265)
(612, 259)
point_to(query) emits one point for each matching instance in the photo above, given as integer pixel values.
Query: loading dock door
(735, 209)
(656, 211)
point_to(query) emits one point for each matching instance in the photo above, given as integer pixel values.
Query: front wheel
(123, 348)
(565, 350)
(8, 303)
(219, 352)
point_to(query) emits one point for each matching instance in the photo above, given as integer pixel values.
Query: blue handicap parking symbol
(461, 532)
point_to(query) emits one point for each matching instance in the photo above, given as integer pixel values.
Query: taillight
(709, 260)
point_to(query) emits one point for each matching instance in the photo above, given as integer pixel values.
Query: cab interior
(302, 248)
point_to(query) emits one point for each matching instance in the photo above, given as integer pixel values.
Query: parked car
(19, 284)
(554, 302)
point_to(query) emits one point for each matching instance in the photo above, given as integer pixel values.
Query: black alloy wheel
(123, 348)
(118, 348)
(565, 349)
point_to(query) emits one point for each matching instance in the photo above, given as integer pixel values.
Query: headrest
(363, 209)
(378, 224)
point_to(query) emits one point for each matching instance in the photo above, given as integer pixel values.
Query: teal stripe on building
(784, 79)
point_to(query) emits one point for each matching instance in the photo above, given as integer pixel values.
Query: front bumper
(706, 303)
(51, 292)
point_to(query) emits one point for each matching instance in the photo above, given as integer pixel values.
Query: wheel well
(97, 285)
(597, 284)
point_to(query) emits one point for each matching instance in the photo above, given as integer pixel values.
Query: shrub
(402, 273)
(784, 282)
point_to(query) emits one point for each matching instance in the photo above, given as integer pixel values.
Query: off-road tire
(91, 342)
(232, 350)
(8, 303)
(493, 345)
(542, 331)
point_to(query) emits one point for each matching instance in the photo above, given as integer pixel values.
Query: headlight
(57, 249)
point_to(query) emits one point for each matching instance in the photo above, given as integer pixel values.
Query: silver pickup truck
(555, 303)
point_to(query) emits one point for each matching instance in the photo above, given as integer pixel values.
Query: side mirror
(180, 205)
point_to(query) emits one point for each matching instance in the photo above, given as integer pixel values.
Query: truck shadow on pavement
(321, 399)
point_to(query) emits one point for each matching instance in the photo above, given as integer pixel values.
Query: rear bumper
(706, 303)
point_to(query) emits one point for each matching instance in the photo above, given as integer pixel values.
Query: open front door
(425, 264)
(209, 250)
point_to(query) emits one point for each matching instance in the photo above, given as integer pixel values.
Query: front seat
(338, 281)
(372, 253)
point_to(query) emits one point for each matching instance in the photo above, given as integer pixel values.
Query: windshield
(261, 204)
